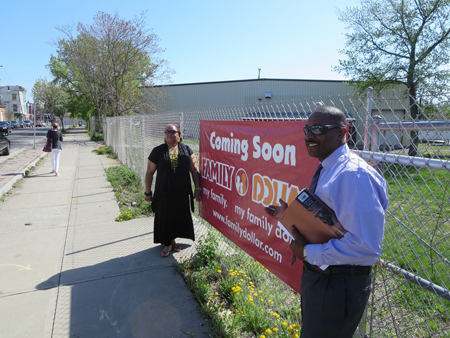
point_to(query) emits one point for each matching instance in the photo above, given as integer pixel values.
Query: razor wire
(410, 290)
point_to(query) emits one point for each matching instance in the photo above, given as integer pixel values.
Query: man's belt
(348, 270)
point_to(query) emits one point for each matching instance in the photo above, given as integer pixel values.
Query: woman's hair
(177, 127)
(55, 125)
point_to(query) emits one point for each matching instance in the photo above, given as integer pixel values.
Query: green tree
(392, 42)
(51, 97)
(109, 62)
(80, 106)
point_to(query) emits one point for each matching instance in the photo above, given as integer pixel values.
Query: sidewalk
(12, 168)
(67, 269)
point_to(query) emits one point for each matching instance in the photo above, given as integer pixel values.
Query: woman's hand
(148, 198)
(198, 194)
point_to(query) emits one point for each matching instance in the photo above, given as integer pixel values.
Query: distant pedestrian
(56, 136)
(172, 201)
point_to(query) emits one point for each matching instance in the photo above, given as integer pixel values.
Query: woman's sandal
(176, 248)
(165, 253)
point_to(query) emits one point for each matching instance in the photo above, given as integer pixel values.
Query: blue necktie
(315, 179)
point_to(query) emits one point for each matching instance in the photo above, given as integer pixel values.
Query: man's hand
(298, 244)
(275, 211)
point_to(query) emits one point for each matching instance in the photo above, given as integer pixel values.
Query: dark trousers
(333, 302)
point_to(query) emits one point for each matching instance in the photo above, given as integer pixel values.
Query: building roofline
(248, 80)
(14, 87)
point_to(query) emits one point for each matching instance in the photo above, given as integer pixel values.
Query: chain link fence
(410, 291)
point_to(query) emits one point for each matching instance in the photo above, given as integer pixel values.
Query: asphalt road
(23, 138)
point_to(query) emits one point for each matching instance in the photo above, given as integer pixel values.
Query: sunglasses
(318, 130)
(167, 132)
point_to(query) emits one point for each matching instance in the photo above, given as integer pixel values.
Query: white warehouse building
(248, 92)
(274, 98)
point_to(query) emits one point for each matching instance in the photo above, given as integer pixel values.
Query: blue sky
(203, 40)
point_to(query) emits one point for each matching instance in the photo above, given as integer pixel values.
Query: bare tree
(111, 61)
(51, 97)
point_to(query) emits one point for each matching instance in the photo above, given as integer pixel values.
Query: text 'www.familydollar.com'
(249, 235)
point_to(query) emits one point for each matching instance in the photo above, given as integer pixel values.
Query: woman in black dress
(172, 200)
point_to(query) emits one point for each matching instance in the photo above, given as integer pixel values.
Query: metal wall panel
(245, 92)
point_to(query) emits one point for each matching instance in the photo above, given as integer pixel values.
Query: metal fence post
(374, 133)
(144, 154)
(369, 92)
(182, 124)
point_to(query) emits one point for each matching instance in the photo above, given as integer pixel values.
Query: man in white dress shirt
(333, 300)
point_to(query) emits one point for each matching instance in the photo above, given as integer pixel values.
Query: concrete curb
(8, 186)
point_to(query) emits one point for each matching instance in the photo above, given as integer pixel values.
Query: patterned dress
(172, 200)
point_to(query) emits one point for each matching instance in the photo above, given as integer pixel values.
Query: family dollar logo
(241, 182)
(267, 191)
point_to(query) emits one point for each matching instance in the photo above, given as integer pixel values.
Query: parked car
(5, 127)
(5, 145)
(28, 123)
(39, 124)
(15, 124)
(20, 124)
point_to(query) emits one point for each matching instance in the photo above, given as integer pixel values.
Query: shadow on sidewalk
(76, 130)
(139, 295)
(40, 175)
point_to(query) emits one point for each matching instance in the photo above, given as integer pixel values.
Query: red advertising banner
(246, 166)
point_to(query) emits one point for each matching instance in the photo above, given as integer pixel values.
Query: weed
(129, 193)
(207, 250)
(95, 136)
(17, 184)
(109, 151)
(3, 198)
(236, 305)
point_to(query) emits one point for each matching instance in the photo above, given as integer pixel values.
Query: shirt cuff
(313, 252)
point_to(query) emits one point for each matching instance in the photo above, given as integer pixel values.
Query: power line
(7, 75)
